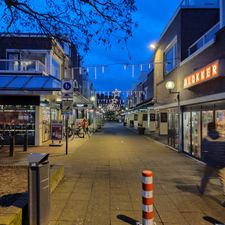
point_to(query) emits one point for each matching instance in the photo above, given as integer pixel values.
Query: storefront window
(45, 124)
(196, 134)
(17, 120)
(207, 117)
(220, 122)
(187, 132)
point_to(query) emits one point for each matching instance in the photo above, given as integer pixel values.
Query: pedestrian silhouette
(213, 154)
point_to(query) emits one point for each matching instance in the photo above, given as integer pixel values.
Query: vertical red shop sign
(56, 131)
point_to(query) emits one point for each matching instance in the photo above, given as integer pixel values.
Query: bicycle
(72, 132)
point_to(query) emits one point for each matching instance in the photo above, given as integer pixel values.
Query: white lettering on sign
(204, 74)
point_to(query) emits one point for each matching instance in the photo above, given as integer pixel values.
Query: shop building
(191, 53)
(31, 69)
(138, 102)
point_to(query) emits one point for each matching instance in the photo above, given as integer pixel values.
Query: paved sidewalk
(56, 154)
(102, 184)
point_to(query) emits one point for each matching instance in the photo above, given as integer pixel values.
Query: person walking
(213, 154)
(85, 125)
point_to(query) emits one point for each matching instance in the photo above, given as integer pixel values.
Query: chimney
(222, 13)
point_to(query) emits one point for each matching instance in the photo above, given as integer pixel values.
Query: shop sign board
(206, 73)
(56, 131)
(67, 106)
(67, 89)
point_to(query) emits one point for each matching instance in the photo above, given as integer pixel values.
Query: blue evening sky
(152, 17)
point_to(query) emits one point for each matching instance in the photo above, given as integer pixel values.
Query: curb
(17, 214)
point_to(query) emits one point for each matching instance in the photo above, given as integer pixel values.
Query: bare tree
(78, 21)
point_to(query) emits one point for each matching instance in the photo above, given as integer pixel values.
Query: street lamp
(170, 85)
(92, 98)
(152, 46)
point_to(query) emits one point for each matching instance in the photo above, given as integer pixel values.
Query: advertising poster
(56, 131)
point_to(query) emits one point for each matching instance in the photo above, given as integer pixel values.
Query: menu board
(152, 117)
(56, 131)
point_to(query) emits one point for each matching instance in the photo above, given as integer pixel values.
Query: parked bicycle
(75, 131)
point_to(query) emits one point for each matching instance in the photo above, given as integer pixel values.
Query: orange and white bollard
(147, 198)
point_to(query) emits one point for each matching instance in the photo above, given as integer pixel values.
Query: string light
(95, 73)
(103, 69)
(133, 70)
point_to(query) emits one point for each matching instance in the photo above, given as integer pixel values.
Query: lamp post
(170, 85)
(93, 100)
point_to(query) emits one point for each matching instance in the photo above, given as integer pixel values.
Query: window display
(196, 134)
(187, 131)
(45, 124)
(220, 122)
(17, 120)
(207, 117)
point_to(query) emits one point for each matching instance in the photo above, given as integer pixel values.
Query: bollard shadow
(127, 219)
(212, 220)
(8, 200)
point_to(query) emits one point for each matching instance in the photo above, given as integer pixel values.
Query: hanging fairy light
(103, 69)
(80, 70)
(149, 66)
(87, 69)
(95, 73)
(141, 67)
(132, 70)
(125, 67)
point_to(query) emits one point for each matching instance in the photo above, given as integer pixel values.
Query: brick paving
(102, 184)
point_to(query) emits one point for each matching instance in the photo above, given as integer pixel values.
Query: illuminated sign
(207, 73)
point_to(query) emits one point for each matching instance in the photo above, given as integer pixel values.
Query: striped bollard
(147, 198)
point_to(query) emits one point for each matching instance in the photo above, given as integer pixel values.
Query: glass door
(196, 134)
(173, 128)
(187, 132)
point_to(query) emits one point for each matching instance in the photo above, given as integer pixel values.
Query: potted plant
(141, 129)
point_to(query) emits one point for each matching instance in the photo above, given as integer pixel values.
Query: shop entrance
(173, 128)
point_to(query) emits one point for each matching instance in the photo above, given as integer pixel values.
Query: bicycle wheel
(80, 133)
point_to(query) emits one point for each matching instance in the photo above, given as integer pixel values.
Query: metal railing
(21, 66)
(199, 4)
(203, 40)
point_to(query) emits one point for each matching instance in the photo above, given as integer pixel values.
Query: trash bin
(141, 130)
(38, 189)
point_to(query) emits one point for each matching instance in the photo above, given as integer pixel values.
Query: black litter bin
(38, 189)
(141, 130)
(131, 123)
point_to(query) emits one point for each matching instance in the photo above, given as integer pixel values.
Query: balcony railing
(200, 4)
(204, 40)
(21, 66)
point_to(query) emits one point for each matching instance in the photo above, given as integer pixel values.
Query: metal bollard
(147, 198)
(25, 143)
(11, 145)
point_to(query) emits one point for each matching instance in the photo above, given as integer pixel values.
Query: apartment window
(170, 57)
(55, 68)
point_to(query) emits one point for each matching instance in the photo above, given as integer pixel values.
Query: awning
(29, 83)
(144, 105)
(79, 99)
